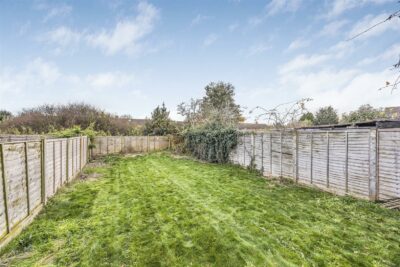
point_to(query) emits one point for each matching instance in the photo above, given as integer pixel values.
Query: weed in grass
(157, 210)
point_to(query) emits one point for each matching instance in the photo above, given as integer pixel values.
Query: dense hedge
(211, 144)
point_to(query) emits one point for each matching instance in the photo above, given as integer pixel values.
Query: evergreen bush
(211, 143)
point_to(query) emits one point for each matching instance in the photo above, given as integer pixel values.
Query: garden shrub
(211, 143)
(77, 131)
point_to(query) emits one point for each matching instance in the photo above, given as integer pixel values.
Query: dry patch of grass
(157, 210)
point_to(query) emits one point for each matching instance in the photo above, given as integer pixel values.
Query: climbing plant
(212, 143)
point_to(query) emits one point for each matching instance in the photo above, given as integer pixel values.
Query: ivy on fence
(212, 144)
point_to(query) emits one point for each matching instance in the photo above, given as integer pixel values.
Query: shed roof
(366, 124)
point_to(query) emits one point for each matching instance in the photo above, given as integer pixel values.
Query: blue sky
(129, 56)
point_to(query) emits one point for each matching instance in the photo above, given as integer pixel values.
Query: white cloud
(333, 28)
(127, 34)
(303, 62)
(338, 7)
(53, 10)
(110, 79)
(256, 20)
(24, 28)
(391, 54)
(41, 82)
(275, 7)
(258, 49)
(62, 36)
(210, 39)
(369, 21)
(344, 89)
(297, 44)
(58, 11)
(233, 27)
(281, 6)
(199, 19)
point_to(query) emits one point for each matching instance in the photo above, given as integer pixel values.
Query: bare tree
(393, 85)
(284, 115)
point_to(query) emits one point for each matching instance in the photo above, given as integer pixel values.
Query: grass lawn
(157, 210)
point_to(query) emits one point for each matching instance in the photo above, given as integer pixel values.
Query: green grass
(157, 210)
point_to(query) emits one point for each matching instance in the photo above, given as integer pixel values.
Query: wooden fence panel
(337, 162)
(34, 173)
(267, 151)
(364, 163)
(49, 170)
(57, 164)
(258, 151)
(388, 164)
(63, 161)
(70, 160)
(31, 172)
(105, 145)
(276, 154)
(287, 154)
(248, 150)
(358, 163)
(304, 157)
(320, 159)
(240, 151)
(16, 182)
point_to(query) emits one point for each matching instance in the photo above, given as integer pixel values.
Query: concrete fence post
(347, 163)
(27, 177)
(311, 157)
(294, 155)
(43, 168)
(327, 158)
(373, 162)
(280, 155)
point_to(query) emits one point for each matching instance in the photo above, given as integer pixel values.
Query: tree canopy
(160, 123)
(326, 115)
(362, 114)
(4, 115)
(218, 106)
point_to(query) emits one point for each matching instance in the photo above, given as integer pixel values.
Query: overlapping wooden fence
(104, 145)
(364, 163)
(31, 172)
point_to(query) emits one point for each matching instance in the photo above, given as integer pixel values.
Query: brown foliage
(48, 118)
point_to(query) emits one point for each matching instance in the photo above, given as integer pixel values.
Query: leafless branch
(391, 16)
(283, 115)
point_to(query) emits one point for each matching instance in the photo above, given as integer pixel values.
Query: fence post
(81, 154)
(43, 167)
(107, 144)
(72, 159)
(270, 153)
(54, 167)
(3, 177)
(311, 158)
(27, 177)
(294, 168)
(67, 161)
(253, 150)
(61, 163)
(373, 179)
(244, 150)
(262, 153)
(280, 154)
(347, 163)
(327, 158)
